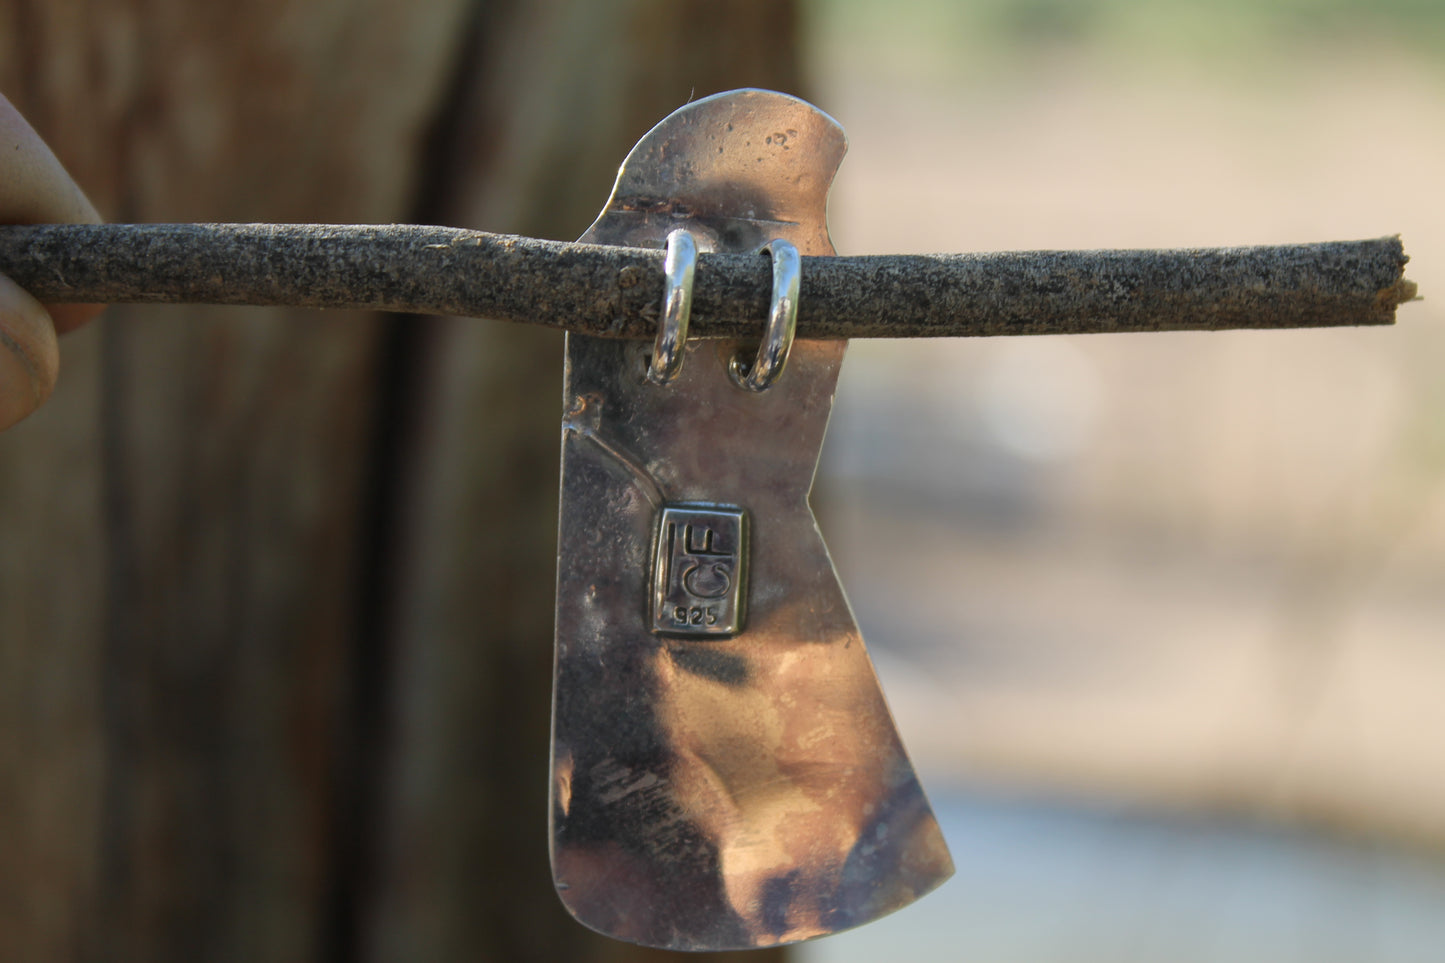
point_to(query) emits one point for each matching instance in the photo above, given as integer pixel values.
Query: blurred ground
(1204, 573)
(1069, 884)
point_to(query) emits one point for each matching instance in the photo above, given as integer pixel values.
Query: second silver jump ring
(782, 322)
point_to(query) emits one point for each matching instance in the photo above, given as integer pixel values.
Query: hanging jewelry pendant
(725, 773)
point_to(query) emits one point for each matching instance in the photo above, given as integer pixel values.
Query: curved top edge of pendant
(732, 164)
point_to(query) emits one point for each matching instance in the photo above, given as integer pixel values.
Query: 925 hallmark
(699, 572)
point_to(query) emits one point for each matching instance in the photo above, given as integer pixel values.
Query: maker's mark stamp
(699, 574)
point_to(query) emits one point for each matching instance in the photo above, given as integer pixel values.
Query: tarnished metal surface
(729, 790)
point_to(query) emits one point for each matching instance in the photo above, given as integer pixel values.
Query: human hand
(34, 189)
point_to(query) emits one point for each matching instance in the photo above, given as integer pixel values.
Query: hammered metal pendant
(725, 773)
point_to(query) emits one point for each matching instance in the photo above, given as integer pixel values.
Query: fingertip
(29, 354)
(68, 317)
(35, 189)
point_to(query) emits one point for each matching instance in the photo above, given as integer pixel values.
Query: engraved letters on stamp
(699, 574)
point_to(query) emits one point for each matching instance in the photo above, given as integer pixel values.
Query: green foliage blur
(937, 39)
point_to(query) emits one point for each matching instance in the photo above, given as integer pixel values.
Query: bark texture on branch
(616, 292)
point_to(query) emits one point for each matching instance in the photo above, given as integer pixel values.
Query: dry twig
(616, 292)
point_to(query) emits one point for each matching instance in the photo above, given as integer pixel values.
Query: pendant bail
(782, 322)
(678, 268)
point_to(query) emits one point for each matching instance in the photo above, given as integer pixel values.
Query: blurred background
(1162, 617)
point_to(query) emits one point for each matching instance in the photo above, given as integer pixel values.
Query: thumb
(29, 354)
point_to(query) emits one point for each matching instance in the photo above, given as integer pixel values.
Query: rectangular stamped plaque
(699, 575)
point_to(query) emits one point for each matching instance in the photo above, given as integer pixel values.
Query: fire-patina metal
(742, 787)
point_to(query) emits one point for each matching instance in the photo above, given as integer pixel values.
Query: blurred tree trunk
(275, 586)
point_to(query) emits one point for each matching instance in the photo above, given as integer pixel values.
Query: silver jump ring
(782, 322)
(678, 267)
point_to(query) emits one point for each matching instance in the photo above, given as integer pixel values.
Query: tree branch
(616, 292)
